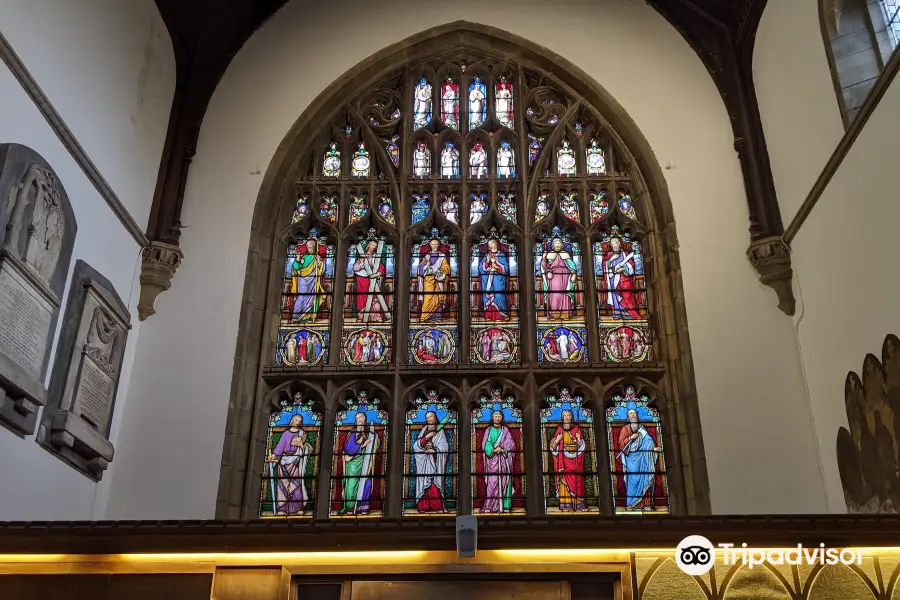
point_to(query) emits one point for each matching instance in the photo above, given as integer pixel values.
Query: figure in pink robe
(499, 456)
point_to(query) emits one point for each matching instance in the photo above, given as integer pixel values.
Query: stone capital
(159, 262)
(771, 258)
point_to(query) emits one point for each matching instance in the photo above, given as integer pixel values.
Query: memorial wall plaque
(76, 422)
(37, 232)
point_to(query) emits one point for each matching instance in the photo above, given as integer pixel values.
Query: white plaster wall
(759, 442)
(109, 70)
(845, 260)
(797, 102)
(37, 485)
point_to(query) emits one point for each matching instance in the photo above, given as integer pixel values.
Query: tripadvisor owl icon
(695, 555)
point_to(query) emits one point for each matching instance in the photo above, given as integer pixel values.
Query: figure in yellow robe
(307, 273)
(434, 276)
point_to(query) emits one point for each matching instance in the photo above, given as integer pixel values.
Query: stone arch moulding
(672, 373)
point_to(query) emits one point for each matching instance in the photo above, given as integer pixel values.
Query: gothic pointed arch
(458, 146)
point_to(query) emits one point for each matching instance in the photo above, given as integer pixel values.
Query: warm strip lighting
(567, 555)
(400, 556)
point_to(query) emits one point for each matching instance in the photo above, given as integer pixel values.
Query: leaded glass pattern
(368, 301)
(301, 209)
(569, 455)
(359, 459)
(498, 456)
(434, 300)
(431, 455)
(293, 451)
(359, 207)
(559, 285)
(637, 462)
(386, 209)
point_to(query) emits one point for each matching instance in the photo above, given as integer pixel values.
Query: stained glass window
(636, 458)
(498, 456)
(622, 301)
(393, 148)
(561, 331)
(570, 456)
(494, 300)
(506, 160)
(293, 450)
(359, 207)
(565, 160)
(421, 161)
(599, 206)
(301, 209)
(478, 161)
(626, 206)
(434, 301)
(595, 160)
(450, 161)
(506, 205)
(477, 103)
(368, 301)
(503, 103)
(431, 452)
(304, 329)
(331, 165)
(360, 164)
(386, 208)
(450, 207)
(534, 148)
(328, 209)
(450, 104)
(360, 459)
(568, 205)
(541, 208)
(421, 206)
(478, 207)
(422, 105)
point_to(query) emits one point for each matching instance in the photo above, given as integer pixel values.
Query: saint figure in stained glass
(534, 148)
(421, 161)
(565, 160)
(421, 206)
(386, 208)
(562, 336)
(393, 149)
(450, 104)
(498, 479)
(450, 207)
(307, 272)
(359, 166)
(570, 460)
(618, 269)
(331, 165)
(359, 207)
(433, 273)
(599, 206)
(494, 300)
(626, 206)
(422, 104)
(433, 335)
(369, 301)
(301, 209)
(506, 160)
(450, 161)
(360, 459)
(596, 162)
(328, 209)
(541, 208)
(431, 450)
(506, 206)
(503, 103)
(558, 272)
(477, 103)
(568, 205)
(293, 447)
(637, 462)
(477, 208)
(478, 161)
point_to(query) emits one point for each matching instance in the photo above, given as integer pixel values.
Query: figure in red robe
(618, 290)
(567, 447)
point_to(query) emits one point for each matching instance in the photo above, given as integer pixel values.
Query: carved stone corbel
(159, 262)
(771, 258)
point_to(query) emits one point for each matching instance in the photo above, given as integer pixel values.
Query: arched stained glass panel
(478, 161)
(301, 209)
(369, 301)
(503, 103)
(431, 451)
(477, 103)
(450, 207)
(478, 207)
(386, 209)
(293, 449)
(559, 286)
(421, 207)
(359, 207)
(361, 163)
(331, 163)
(450, 104)
(498, 456)
(421, 161)
(306, 299)
(494, 301)
(422, 104)
(450, 161)
(360, 459)
(506, 161)
(570, 456)
(636, 458)
(434, 301)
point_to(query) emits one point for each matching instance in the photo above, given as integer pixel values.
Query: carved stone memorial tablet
(37, 229)
(75, 425)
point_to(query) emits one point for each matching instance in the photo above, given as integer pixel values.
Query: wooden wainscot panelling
(107, 587)
(252, 584)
